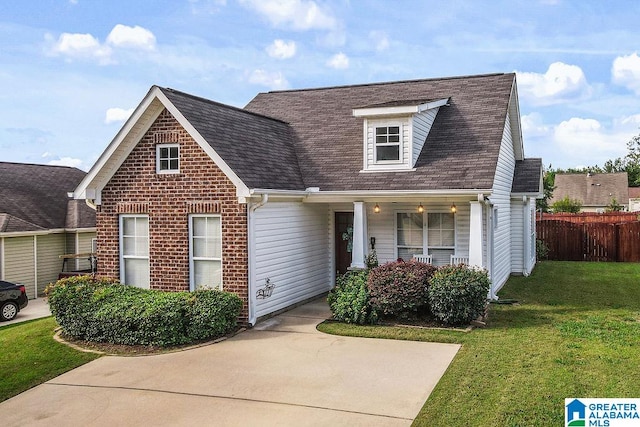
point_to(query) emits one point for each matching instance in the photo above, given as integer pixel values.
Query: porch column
(359, 247)
(475, 235)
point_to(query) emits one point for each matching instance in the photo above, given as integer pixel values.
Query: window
(134, 250)
(205, 251)
(387, 144)
(167, 158)
(409, 234)
(441, 236)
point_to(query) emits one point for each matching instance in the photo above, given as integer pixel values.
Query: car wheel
(9, 310)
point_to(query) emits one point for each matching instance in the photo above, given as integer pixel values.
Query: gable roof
(259, 149)
(461, 151)
(592, 189)
(527, 178)
(34, 197)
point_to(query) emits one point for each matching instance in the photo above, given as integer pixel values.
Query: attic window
(387, 147)
(167, 158)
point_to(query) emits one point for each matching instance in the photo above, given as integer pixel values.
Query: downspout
(526, 218)
(490, 242)
(251, 255)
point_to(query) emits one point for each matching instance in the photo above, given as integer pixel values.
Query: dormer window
(388, 144)
(167, 158)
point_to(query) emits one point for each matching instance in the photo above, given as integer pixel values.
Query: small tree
(614, 206)
(567, 205)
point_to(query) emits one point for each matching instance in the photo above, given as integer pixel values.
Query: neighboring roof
(259, 149)
(527, 177)
(634, 192)
(34, 197)
(461, 151)
(592, 189)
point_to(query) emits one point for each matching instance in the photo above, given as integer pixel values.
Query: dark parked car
(13, 298)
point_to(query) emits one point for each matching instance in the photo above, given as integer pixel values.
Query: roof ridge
(210, 101)
(472, 76)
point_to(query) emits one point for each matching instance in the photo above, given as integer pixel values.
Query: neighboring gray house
(595, 191)
(192, 192)
(39, 222)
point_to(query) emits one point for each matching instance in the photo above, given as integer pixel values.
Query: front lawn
(573, 333)
(30, 356)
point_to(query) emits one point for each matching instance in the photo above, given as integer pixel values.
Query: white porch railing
(456, 259)
(423, 258)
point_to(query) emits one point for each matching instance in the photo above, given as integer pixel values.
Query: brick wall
(168, 199)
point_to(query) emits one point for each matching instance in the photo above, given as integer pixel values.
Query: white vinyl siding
(134, 250)
(19, 262)
(292, 251)
(517, 241)
(167, 158)
(501, 198)
(205, 251)
(421, 124)
(370, 145)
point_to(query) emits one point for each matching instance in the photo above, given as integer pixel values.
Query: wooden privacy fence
(607, 217)
(590, 241)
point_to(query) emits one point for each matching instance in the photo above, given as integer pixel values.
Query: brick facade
(168, 199)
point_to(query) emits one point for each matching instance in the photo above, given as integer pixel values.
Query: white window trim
(395, 229)
(192, 258)
(400, 143)
(455, 231)
(167, 171)
(121, 245)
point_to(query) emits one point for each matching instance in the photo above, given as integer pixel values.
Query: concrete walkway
(282, 372)
(36, 309)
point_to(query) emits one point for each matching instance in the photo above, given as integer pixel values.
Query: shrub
(542, 250)
(102, 310)
(349, 300)
(458, 294)
(400, 288)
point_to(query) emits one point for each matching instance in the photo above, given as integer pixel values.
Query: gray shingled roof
(34, 197)
(461, 151)
(592, 189)
(527, 176)
(259, 149)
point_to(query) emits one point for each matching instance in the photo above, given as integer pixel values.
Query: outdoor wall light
(376, 208)
(454, 209)
(420, 208)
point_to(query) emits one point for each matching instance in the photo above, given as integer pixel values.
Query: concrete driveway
(282, 372)
(36, 309)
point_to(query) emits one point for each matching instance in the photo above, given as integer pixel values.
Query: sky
(72, 71)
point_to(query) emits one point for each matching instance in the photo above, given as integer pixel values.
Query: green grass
(30, 356)
(575, 332)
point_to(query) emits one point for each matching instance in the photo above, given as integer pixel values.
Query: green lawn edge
(573, 333)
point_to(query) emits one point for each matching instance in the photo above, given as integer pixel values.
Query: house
(575, 410)
(634, 199)
(596, 191)
(39, 222)
(257, 201)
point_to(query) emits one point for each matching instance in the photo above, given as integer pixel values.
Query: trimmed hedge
(349, 300)
(458, 294)
(400, 288)
(103, 310)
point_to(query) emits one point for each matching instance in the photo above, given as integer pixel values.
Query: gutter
(251, 248)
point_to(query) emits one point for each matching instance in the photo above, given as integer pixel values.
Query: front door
(344, 223)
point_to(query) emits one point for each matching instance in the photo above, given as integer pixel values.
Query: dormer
(395, 132)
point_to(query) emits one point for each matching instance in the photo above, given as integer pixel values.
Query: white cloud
(626, 72)
(281, 49)
(133, 37)
(294, 14)
(593, 143)
(339, 61)
(561, 83)
(66, 161)
(275, 80)
(532, 125)
(117, 115)
(380, 40)
(81, 46)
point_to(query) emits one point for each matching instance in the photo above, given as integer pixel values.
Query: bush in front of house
(103, 310)
(349, 299)
(400, 288)
(458, 294)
